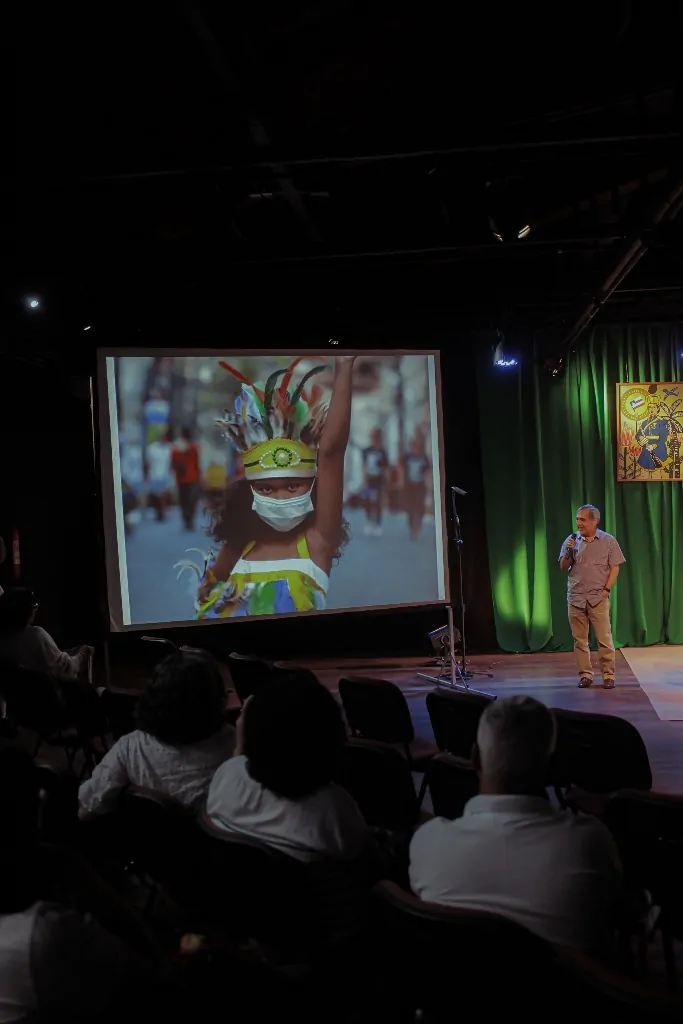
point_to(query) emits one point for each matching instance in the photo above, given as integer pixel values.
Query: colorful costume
(277, 435)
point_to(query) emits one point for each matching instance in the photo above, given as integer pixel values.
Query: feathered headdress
(277, 431)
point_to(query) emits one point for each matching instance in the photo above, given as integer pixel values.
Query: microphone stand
(457, 678)
(459, 544)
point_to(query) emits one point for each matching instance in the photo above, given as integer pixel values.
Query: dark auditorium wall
(549, 446)
(51, 494)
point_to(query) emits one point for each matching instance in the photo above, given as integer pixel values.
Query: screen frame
(112, 504)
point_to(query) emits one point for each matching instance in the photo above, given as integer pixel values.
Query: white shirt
(326, 824)
(555, 873)
(179, 774)
(34, 649)
(53, 959)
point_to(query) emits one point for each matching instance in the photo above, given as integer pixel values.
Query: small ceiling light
(32, 302)
(523, 232)
(87, 328)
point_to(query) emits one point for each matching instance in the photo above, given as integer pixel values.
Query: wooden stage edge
(550, 678)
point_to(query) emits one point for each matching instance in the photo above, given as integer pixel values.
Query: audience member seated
(30, 646)
(512, 853)
(180, 741)
(64, 959)
(278, 788)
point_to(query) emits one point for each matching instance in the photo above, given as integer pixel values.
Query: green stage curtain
(549, 446)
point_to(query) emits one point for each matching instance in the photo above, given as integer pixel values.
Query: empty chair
(379, 780)
(248, 674)
(455, 720)
(376, 709)
(437, 958)
(598, 753)
(451, 781)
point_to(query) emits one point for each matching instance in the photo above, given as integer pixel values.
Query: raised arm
(331, 452)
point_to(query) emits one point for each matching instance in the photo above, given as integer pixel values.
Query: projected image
(246, 485)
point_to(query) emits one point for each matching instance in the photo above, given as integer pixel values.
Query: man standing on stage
(592, 559)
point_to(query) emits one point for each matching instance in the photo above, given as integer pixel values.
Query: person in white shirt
(70, 959)
(512, 853)
(279, 787)
(181, 740)
(30, 646)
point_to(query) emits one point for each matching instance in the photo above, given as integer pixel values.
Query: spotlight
(87, 328)
(502, 359)
(32, 302)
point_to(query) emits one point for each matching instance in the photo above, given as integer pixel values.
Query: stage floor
(550, 678)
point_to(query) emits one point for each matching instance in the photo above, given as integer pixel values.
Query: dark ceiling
(346, 158)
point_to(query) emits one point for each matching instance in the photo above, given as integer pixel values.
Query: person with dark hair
(375, 467)
(68, 946)
(279, 787)
(186, 468)
(181, 739)
(30, 646)
(280, 526)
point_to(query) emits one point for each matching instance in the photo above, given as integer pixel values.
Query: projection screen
(257, 483)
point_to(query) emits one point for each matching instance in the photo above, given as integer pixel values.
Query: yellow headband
(282, 456)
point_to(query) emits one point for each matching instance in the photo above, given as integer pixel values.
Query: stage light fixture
(87, 328)
(502, 359)
(32, 302)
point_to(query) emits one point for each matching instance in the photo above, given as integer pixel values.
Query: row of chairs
(596, 753)
(427, 956)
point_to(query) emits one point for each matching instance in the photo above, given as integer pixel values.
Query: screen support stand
(450, 674)
(107, 666)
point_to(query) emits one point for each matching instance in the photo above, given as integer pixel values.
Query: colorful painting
(649, 432)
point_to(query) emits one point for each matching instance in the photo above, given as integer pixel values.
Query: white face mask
(283, 513)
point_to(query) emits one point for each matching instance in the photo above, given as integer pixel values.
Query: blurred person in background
(185, 462)
(375, 468)
(181, 739)
(414, 477)
(280, 525)
(158, 475)
(215, 480)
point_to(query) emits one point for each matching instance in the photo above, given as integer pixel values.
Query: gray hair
(516, 738)
(594, 512)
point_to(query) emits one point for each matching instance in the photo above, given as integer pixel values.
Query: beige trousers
(579, 620)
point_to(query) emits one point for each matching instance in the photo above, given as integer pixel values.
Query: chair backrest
(32, 700)
(379, 780)
(254, 890)
(248, 674)
(648, 829)
(586, 983)
(423, 944)
(59, 806)
(452, 781)
(376, 709)
(119, 707)
(598, 753)
(455, 720)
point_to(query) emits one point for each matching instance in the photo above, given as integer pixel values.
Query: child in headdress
(281, 525)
